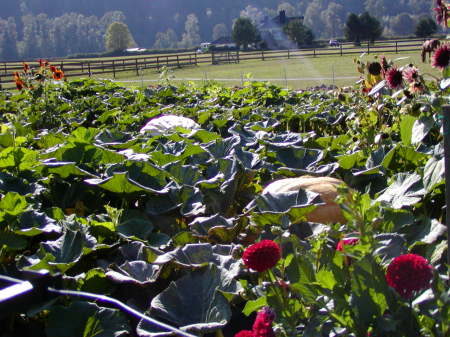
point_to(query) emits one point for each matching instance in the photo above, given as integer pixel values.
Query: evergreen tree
(425, 27)
(353, 29)
(371, 27)
(118, 37)
(362, 27)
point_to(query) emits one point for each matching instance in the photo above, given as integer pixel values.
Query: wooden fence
(87, 68)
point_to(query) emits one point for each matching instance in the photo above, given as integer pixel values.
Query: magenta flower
(441, 57)
(394, 78)
(441, 12)
(411, 74)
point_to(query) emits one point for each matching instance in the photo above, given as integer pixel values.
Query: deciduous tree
(244, 32)
(191, 35)
(299, 33)
(118, 37)
(219, 30)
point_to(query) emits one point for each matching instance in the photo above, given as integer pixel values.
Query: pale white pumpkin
(326, 187)
(167, 124)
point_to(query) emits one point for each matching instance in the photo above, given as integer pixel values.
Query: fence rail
(78, 68)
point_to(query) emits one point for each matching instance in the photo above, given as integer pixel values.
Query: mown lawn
(295, 73)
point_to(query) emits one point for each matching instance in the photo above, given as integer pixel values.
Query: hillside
(45, 28)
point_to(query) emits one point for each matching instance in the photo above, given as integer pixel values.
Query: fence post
(178, 62)
(340, 46)
(89, 69)
(262, 54)
(157, 62)
(82, 67)
(368, 47)
(114, 69)
(396, 47)
(212, 57)
(314, 50)
(137, 68)
(61, 66)
(289, 54)
(238, 59)
(196, 59)
(446, 128)
(123, 64)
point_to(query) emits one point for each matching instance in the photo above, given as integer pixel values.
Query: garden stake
(446, 113)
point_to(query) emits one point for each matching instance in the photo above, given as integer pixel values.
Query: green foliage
(244, 32)
(118, 37)
(425, 27)
(299, 33)
(362, 27)
(160, 221)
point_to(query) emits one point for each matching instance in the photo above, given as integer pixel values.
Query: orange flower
(26, 67)
(19, 85)
(17, 76)
(58, 75)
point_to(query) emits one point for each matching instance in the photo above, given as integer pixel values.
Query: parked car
(204, 47)
(334, 43)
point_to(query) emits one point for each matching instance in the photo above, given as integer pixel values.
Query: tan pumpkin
(326, 187)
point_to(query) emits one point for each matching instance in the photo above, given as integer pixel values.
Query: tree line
(31, 28)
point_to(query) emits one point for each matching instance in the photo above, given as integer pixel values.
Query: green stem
(282, 300)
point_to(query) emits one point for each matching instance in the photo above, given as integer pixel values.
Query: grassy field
(294, 73)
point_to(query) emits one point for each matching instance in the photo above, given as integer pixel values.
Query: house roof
(223, 40)
(280, 20)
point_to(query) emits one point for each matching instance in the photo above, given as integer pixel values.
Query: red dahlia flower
(262, 255)
(346, 242)
(409, 273)
(441, 57)
(52, 69)
(26, 67)
(262, 327)
(394, 78)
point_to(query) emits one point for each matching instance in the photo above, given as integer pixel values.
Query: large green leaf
(202, 309)
(65, 252)
(271, 208)
(32, 223)
(421, 128)
(134, 272)
(406, 189)
(406, 128)
(121, 183)
(85, 319)
(434, 173)
(134, 223)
